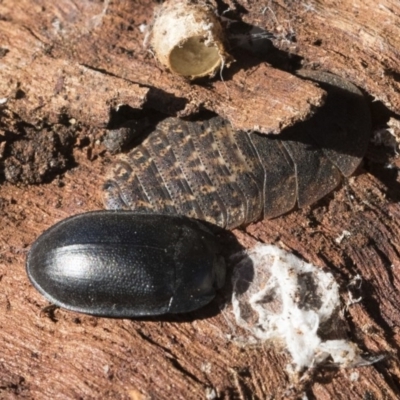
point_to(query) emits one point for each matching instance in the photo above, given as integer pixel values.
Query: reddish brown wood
(85, 61)
(358, 40)
(63, 66)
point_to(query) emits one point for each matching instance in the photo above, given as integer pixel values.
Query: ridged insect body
(121, 264)
(206, 170)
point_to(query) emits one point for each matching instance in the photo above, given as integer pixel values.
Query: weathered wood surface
(62, 68)
(358, 40)
(56, 65)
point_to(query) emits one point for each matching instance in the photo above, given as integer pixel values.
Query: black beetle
(123, 264)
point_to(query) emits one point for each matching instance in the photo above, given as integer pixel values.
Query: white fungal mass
(276, 296)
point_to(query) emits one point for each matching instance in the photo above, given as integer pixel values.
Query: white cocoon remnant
(277, 296)
(188, 39)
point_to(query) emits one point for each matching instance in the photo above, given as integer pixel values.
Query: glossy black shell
(208, 171)
(121, 264)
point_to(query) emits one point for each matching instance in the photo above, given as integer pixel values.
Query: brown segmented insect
(206, 170)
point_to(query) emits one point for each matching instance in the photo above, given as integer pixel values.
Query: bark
(103, 46)
(70, 69)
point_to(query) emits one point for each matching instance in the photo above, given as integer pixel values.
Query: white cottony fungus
(188, 39)
(277, 296)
